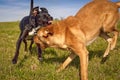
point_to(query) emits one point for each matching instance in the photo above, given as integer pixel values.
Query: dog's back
(24, 22)
(97, 15)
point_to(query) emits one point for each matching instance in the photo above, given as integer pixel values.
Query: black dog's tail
(26, 19)
(31, 6)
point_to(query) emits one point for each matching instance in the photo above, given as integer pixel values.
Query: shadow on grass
(98, 53)
(60, 59)
(75, 62)
(34, 53)
(21, 63)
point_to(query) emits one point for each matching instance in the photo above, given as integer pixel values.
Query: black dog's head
(44, 18)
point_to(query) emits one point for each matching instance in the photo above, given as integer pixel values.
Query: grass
(29, 68)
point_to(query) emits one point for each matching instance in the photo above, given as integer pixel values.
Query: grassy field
(29, 68)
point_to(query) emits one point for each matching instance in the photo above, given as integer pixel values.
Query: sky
(15, 10)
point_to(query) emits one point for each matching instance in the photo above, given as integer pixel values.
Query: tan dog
(97, 18)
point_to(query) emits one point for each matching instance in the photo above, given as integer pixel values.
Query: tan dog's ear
(47, 33)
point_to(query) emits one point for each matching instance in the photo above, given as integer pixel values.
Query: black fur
(43, 19)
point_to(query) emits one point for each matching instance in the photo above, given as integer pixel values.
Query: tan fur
(97, 18)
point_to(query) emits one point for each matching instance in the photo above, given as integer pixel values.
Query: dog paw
(14, 61)
(57, 71)
(104, 59)
(40, 59)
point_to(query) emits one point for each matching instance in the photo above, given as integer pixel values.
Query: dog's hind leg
(21, 37)
(30, 47)
(25, 42)
(109, 26)
(14, 60)
(114, 39)
(109, 40)
(111, 43)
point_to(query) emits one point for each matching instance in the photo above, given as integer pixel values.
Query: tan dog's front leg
(66, 62)
(84, 66)
(82, 52)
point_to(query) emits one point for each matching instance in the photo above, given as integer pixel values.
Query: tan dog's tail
(118, 4)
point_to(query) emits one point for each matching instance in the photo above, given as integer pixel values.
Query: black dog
(43, 19)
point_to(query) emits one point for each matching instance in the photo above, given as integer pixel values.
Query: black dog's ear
(47, 33)
(43, 9)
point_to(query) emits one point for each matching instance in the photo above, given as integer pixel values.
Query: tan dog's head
(45, 32)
